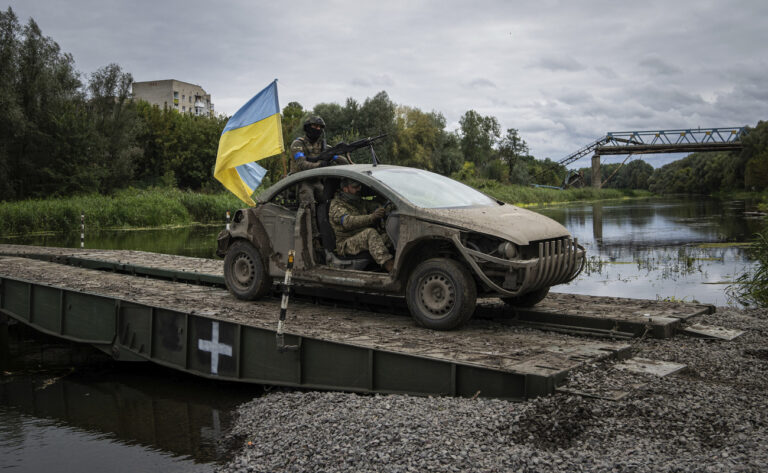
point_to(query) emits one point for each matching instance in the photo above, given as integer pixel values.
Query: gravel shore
(713, 417)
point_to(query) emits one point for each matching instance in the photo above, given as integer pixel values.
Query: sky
(563, 73)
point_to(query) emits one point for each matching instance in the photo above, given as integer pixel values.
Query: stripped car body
(499, 249)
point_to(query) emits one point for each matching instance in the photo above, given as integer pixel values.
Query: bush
(751, 288)
(128, 208)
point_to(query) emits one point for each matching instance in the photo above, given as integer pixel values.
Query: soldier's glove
(379, 213)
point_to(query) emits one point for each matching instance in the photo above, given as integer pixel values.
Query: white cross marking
(214, 347)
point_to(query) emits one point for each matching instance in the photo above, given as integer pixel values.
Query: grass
(526, 195)
(167, 207)
(128, 208)
(726, 244)
(751, 288)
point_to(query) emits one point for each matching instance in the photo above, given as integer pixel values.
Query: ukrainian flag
(253, 133)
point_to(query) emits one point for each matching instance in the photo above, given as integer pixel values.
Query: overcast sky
(562, 72)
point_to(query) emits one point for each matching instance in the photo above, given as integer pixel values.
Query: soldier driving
(353, 221)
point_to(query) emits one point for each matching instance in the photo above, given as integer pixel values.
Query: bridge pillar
(596, 179)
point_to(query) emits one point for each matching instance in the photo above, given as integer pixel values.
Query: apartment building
(175, 94)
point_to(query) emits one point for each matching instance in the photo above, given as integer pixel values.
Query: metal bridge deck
(203, 330)
(603, 316)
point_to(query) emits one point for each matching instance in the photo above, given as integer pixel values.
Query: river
(67, 408)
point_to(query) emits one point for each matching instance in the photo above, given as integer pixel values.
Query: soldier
(307, 146)
(353, 220)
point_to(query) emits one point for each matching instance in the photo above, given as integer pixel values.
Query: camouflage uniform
(353, 225)
(301, 148)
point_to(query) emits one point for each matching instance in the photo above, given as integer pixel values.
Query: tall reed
(128, 208)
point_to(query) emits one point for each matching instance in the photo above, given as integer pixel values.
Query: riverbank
(526, 195)
(712, 417)
(165, 207)
(126, 209)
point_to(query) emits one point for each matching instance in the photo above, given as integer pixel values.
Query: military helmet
(346, 181)
(314, 120)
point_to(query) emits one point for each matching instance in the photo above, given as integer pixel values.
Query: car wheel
(244, 272)
(528, 299)
(441, 294)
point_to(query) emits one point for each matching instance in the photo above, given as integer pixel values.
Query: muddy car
(452, 244)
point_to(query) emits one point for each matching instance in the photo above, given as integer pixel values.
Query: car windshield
(431, 191)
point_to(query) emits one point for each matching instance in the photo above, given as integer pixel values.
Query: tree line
(64, 134)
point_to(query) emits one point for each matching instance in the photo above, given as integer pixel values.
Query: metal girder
(662, 141)
(667, 148)
(700, 136)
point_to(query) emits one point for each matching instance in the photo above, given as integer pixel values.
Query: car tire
(441, 294)
(244, 272)
(529, 299)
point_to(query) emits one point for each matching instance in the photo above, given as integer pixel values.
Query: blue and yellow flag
(253, 133)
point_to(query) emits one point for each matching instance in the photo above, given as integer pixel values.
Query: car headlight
(509, 250)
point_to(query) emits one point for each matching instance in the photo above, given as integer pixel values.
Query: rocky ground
(711, 417)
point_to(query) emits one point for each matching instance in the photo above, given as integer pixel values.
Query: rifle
(343, 148)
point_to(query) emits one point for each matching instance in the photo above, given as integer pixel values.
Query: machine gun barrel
(344, 148)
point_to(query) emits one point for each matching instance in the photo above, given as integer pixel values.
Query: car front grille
(559, 261)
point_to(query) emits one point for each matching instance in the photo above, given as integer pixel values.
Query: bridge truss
(662, 141)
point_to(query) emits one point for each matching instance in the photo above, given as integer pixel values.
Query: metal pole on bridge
(286, 289)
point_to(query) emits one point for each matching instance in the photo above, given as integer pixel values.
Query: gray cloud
(373, 81)
(658, 66)
(607, 72)
(559, 64)
(563, 73)
(481, 83)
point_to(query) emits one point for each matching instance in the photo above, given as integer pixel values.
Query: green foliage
(751, 288)
(633, 175)
(698, 173)
(512, 151)
(479, 136)
(705, 173)
(545, 172)
(128, 208)
(39, 97)
(521, 195)
(176, 147)
(755, 158)
(417, 137)
(353, 121)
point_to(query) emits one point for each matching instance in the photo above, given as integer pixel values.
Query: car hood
(507, 221)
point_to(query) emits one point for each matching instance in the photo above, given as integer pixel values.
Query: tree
(114, 149)
(447, 157)
(479, 135)
(755, 157)
(511, 149)
(546, 171)
(417, 137)
(40, 95)
(633, 175)
(10, 112)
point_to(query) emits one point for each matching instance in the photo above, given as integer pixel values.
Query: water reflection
(91, 416)
(660, 248)
(197, 240)
(648, 248)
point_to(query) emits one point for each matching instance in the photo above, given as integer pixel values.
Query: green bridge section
(173, 311)
(223, 350)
